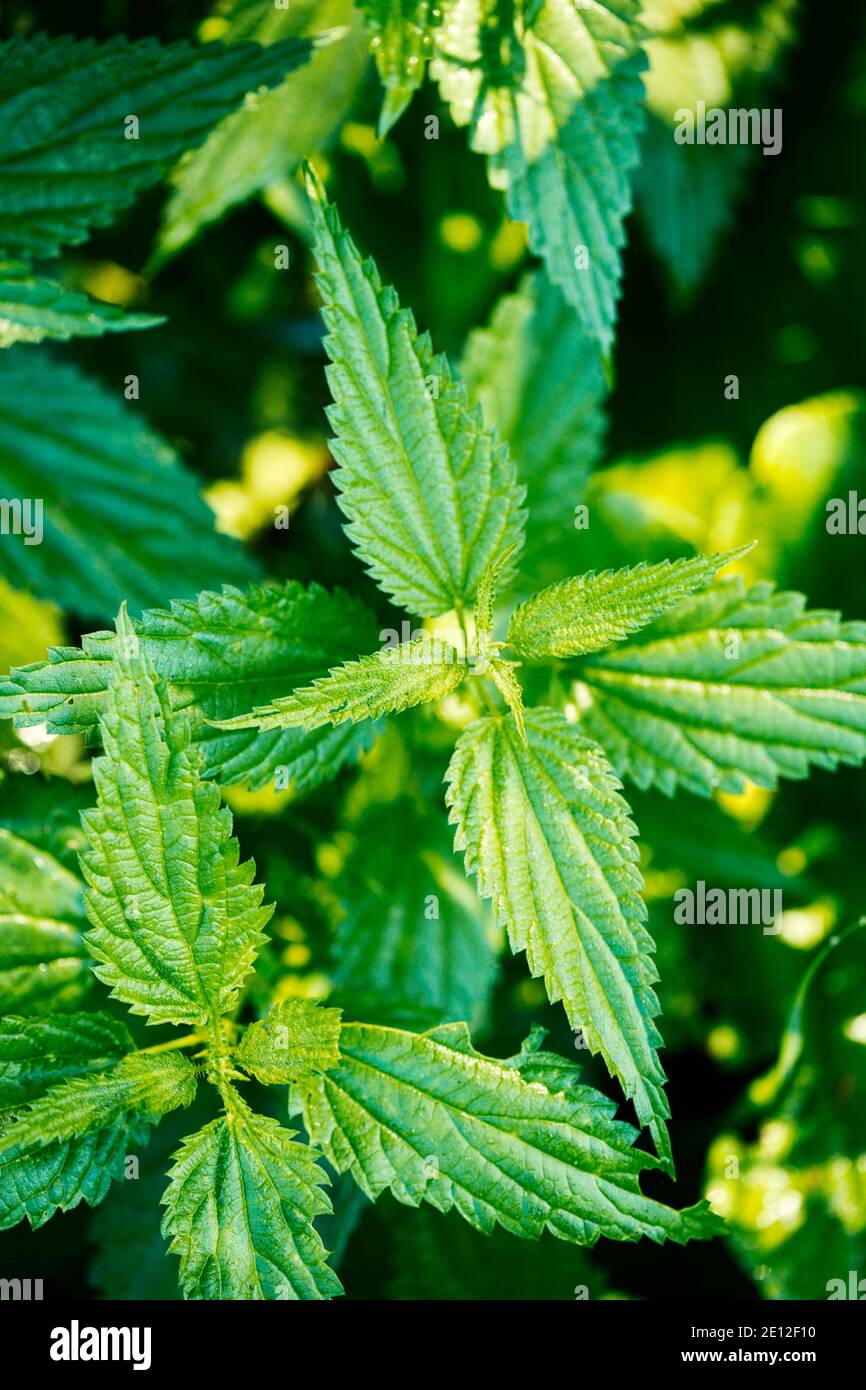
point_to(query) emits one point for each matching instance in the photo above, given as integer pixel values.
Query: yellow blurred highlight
(329, 859)
(287, 929)
(698, 494)
(275, 470)
(800, 451)
(816, 260)
(267, 801)
(723, 1043)
(748, 807)
(315, 986)
(461, 232)
(791, 861)
(235, 510)
(855, 1029)
(760, 1197)
(27, 627)
(296, 956)
(804, 927)
(214, 27)
(508, 247)
(112, 283)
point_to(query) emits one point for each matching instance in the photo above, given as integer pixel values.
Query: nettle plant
(660, 672)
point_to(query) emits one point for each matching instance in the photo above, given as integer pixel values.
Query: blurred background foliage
(736, 264)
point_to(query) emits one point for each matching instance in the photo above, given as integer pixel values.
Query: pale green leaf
(177, 920)
(59, 1176)
(521, 1143)
(549, 837)
(402, 41)
(430, 495)
(593, 611)
(37, 1053)
(295, 1038)
(71, 1142)
(414, 944)
(554, 98)
(68, 159)
(265, 140)
(735, 684)
(219, 655)
(93, 466)
(148, 1086)
(386, 681)
(538, 376)
(504, 676)
(33, 307)
(240, 1208)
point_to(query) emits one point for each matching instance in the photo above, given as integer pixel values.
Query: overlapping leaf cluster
(544, 684)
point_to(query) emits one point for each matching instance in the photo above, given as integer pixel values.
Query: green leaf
(520, 1142)
(37, 1053)
(177, 920)
(43, 965)
(554, 98)
(69, 161)
(33, 307)
(71, 1142)
(34, 883)
(92, 465)
(218, 655)
(549, 837)
(430, 495)
(57, 1177)
(296, 1038)
(385, 682)
(538, 377)
(402, 41)
(593, 611)
(240, 1208)
(148, 1086)
(264, 141)
(414, 945)
(736, 683)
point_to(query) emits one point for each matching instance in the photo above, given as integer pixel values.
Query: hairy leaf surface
(218, 655)
(71, 1142)
(538, 376)
(386, 681)
(240, 1207)
(549, 837)
(519, 1142)
(736, 683)
(177, 919)
(430, 495)
(34, 307)
(554, 98)
(593, 611)
(296, 1037)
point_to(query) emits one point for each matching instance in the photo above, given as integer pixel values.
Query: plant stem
(188, 1040)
